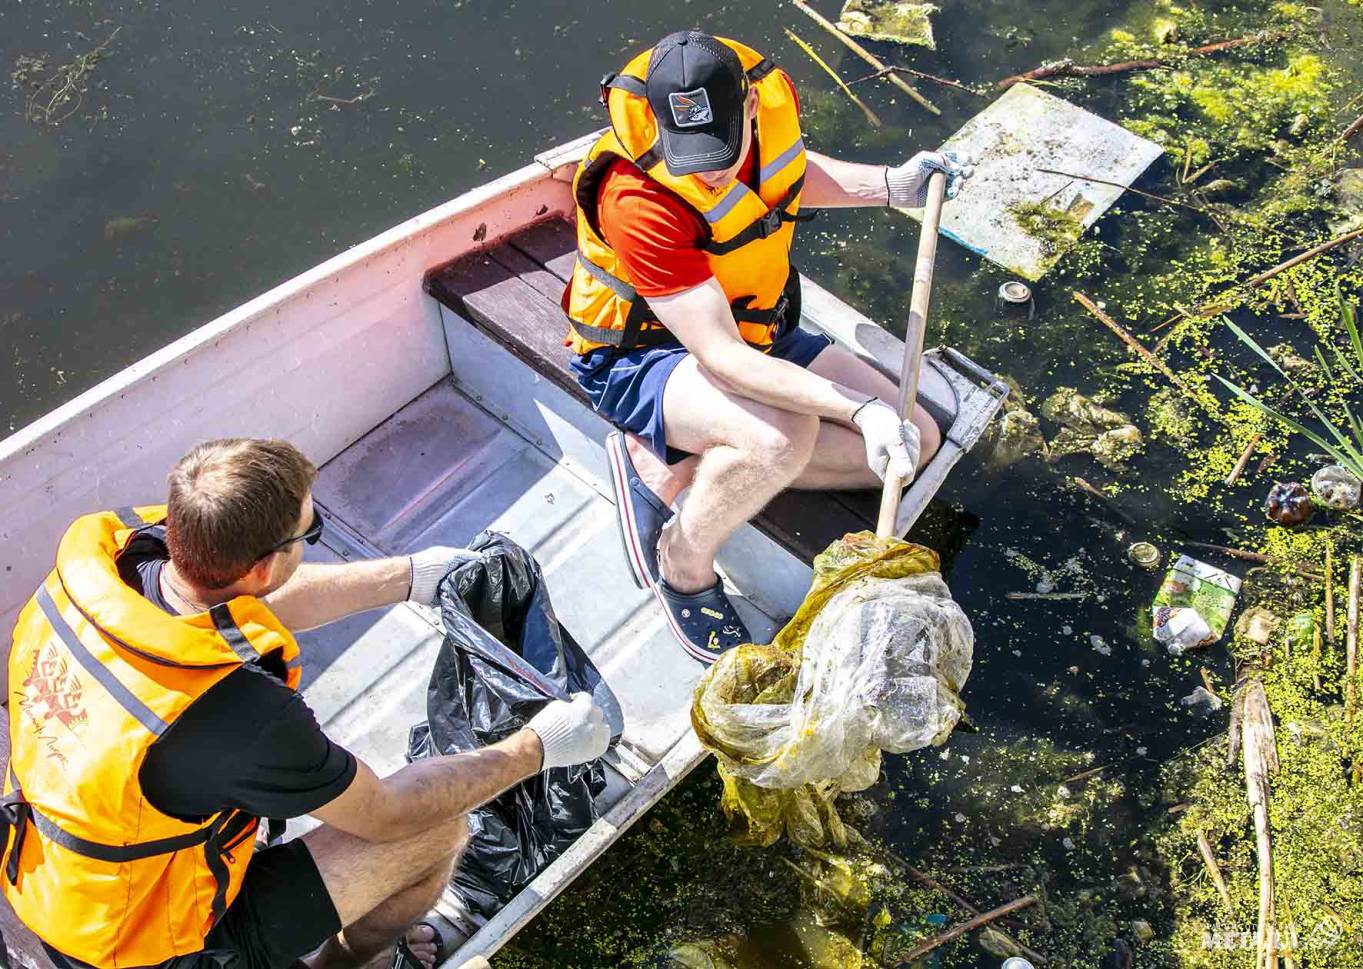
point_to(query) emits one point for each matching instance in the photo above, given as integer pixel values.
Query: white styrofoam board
(1008, 141)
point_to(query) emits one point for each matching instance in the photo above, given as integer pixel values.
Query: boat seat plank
(552, 244)
(511, 293)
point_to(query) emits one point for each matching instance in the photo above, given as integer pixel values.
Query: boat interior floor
(438, 472)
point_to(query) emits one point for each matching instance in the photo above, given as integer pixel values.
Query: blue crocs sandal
(705, 623)
(640, 513)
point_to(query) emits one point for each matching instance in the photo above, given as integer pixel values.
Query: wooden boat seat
(511, 293)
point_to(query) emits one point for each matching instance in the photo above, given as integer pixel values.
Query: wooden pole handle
(914, 334)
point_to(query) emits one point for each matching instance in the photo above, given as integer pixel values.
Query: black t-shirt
(249, 742)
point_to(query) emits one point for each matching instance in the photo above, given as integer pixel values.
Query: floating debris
(1257, 625)
(1017, 432)
(57, 95)
(1193, 606)
(127, 225)
(1144, 554)
(1015, 299)
(1088, 426)
(1335, 487)
(1289, 504)
(898, 23)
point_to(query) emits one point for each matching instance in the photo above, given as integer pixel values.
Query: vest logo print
(691, 108)
(52, 692)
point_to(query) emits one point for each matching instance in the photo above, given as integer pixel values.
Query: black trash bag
(476, 699)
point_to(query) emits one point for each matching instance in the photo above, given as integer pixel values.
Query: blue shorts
(627, 388)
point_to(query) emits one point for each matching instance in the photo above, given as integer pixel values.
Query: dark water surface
(203, 167)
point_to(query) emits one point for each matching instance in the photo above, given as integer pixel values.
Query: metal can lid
(1015, 292)
(1144, 554)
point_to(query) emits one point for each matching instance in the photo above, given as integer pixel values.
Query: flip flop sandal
(640, 513)
(705, 623)
(447, 939)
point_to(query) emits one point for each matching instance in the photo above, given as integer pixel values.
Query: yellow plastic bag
(873, 660)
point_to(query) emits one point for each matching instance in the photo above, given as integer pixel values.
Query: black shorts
(281, 914)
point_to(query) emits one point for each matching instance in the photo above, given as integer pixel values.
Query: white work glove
(889, 441)
(907, 185)
(571, 732)
(429, 566)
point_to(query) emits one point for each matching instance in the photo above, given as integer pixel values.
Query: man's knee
(784, 443)
(929, 438)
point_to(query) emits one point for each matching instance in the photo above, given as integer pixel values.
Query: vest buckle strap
(769, 224)
(14, 816)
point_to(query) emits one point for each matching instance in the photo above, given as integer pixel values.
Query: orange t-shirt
(657, 236)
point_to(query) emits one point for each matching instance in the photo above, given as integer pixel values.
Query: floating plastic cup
(1017, 962)
(1336, 488)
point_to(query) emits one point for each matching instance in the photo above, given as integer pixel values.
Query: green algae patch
(895, 22)
(1055, 228)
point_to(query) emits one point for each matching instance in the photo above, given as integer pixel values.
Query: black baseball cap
(696, 87)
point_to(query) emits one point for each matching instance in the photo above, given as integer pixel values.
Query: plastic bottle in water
(1017, 962)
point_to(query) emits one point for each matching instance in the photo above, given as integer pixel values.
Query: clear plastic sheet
(873, 661)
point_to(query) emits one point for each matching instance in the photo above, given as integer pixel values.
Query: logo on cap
(690, 108)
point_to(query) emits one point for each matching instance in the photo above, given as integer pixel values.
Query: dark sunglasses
(312, 536)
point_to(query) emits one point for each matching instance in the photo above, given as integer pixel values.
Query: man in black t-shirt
(245, 747)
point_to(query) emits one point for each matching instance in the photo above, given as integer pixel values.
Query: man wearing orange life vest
(154, 720)
(684, 313)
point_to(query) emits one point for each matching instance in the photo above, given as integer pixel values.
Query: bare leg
(664, 480)
(839, 460)
(749, 453)
(379, 890)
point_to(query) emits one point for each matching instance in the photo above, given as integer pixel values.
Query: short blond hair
(231, 501)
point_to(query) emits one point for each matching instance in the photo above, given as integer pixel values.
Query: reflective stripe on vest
(97, 673)
(749, 231)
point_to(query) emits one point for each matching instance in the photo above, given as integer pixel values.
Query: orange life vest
(96, 674)
(749, 232)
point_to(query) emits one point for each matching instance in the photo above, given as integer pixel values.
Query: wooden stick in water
(926, 879)
(1260, 751)
(871, 116)
(914, 334)
(956, 931)
(1315, 659)
(1141, 351)
(1351, 638)
(1204, 848)
(875, 62)
(1239, 468)
(1330, 591)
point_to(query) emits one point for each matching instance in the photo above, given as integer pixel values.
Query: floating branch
(1142, 352)
(1218, 304)
(928, 881)
(1330, 591)
(924, 75)
(1352, 130)
(1204, 848)
(1150, 195)
(1046, 595)
(1239, 468)
(1261, 760)
(1259, 557)
(956, 931)
(1351, 639)
(364, 96)
(864, 54)
(65, 89)
(1068, 68)
(813, 55)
